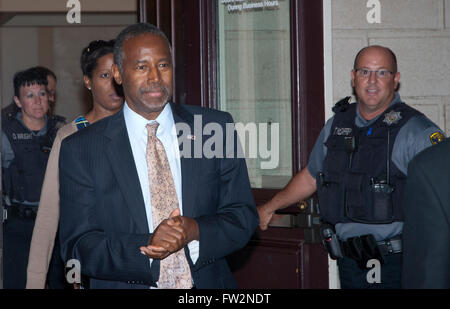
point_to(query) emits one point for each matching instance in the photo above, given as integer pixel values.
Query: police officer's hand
(265, 216)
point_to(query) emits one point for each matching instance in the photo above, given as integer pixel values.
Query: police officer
(27, 137)
(358, 167)
(51, 89)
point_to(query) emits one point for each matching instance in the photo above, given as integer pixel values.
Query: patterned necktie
(174, 269)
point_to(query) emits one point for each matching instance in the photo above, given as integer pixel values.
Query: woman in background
(96, 63)
(27, 138)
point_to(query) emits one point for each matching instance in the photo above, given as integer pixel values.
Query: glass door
(254, 79)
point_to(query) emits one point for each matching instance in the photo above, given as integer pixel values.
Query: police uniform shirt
(8, 153)
(415, 135)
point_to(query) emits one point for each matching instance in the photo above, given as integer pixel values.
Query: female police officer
(27, 137)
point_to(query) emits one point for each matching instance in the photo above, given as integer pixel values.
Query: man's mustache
(154, 88)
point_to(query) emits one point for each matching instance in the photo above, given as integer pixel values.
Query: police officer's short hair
(132, 32)
(393, 56)
(28, 77)
(46, 71)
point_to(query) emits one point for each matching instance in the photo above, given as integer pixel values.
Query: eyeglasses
(365, 73)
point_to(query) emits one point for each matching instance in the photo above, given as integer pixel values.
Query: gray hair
(132, 32)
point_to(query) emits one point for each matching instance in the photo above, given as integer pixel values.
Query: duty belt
(391, 246)
(364, 248)
(21, 211)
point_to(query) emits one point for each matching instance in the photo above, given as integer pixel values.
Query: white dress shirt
(166, 133)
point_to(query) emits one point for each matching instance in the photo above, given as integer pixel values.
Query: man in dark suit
(107, 220)
(426, 231)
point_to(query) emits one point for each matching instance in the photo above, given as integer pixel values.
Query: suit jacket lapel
(188, 165)
(122, 161)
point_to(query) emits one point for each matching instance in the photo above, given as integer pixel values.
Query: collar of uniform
(361, 122)
(41, 132)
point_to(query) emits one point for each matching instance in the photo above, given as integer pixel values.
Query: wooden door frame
(192, 28)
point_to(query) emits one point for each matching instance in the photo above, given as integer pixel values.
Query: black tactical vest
(359, 182)
(23, 179)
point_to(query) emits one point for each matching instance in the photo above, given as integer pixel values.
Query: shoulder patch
(436, 137)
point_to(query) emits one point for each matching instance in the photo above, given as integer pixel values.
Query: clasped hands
(171, 235)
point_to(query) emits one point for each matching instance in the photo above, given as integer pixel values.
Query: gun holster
(330, 241)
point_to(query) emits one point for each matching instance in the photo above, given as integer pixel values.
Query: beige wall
(19, 49)
(59, 48)
(60, 5)
(37, 33)
(418, 31)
